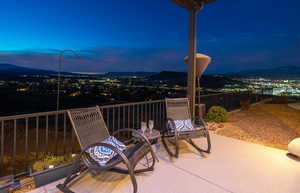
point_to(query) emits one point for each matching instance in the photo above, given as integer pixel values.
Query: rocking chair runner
(91, 130)
(178, 111)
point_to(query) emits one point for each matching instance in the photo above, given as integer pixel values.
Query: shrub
(216, 114)
(52, 160)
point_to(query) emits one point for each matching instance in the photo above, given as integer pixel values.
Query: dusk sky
(148, 35)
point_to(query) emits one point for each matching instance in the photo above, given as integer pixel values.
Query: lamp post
(59, 73)
(58, 90)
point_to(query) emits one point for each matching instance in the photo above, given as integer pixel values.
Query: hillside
(10, 69)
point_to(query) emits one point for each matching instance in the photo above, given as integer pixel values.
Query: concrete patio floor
(233, 166)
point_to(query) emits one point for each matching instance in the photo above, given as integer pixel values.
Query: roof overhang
(191, 4)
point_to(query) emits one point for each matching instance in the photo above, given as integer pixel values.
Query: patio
(233, 166)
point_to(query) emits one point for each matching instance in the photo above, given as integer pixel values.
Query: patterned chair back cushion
(103, 154)
(181, 125)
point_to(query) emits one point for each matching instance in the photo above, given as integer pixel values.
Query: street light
(59, 73)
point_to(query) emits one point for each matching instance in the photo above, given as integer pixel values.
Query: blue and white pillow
(181, 125)
(103, 154)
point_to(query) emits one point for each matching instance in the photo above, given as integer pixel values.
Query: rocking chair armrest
(142, 136)
(116, 150)
(202, 123)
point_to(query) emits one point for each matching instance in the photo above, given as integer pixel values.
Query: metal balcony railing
(29, 137)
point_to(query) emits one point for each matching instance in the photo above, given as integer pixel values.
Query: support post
(191, 92)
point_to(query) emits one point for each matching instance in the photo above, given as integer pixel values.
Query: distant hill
(10, 69)
(169, 75)
(14, 70)
(278, 72)
(180, 78)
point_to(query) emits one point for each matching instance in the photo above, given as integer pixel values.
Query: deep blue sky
(148, 35)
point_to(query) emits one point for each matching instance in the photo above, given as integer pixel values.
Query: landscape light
(294, 147)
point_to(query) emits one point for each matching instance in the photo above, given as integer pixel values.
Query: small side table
(152, 137)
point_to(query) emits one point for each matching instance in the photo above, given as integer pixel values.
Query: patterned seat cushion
(181, 125)
(103, 154)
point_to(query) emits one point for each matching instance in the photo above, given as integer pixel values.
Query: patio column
(191, 86)
(193, 6)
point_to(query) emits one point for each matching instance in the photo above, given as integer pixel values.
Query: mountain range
(10, 69)
(276, 72)
(13, 70)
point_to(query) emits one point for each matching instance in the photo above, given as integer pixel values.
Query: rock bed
(273, 125)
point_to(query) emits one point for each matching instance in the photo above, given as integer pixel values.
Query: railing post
(128, 119)
(145, 112)
(124, 117)
(2, 144)
(26, 142)
(113, 119)
(56, 132)
(107, 118)
(138, 115)
(133, 117)
(37, 137)
(47, 132)
(65, 128)
(160, 117)
(119, 118)
(15, 146)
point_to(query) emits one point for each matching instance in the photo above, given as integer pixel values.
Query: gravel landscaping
(273, 125)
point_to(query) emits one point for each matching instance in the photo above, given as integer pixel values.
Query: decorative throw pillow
(103, 154)
(181, 125)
